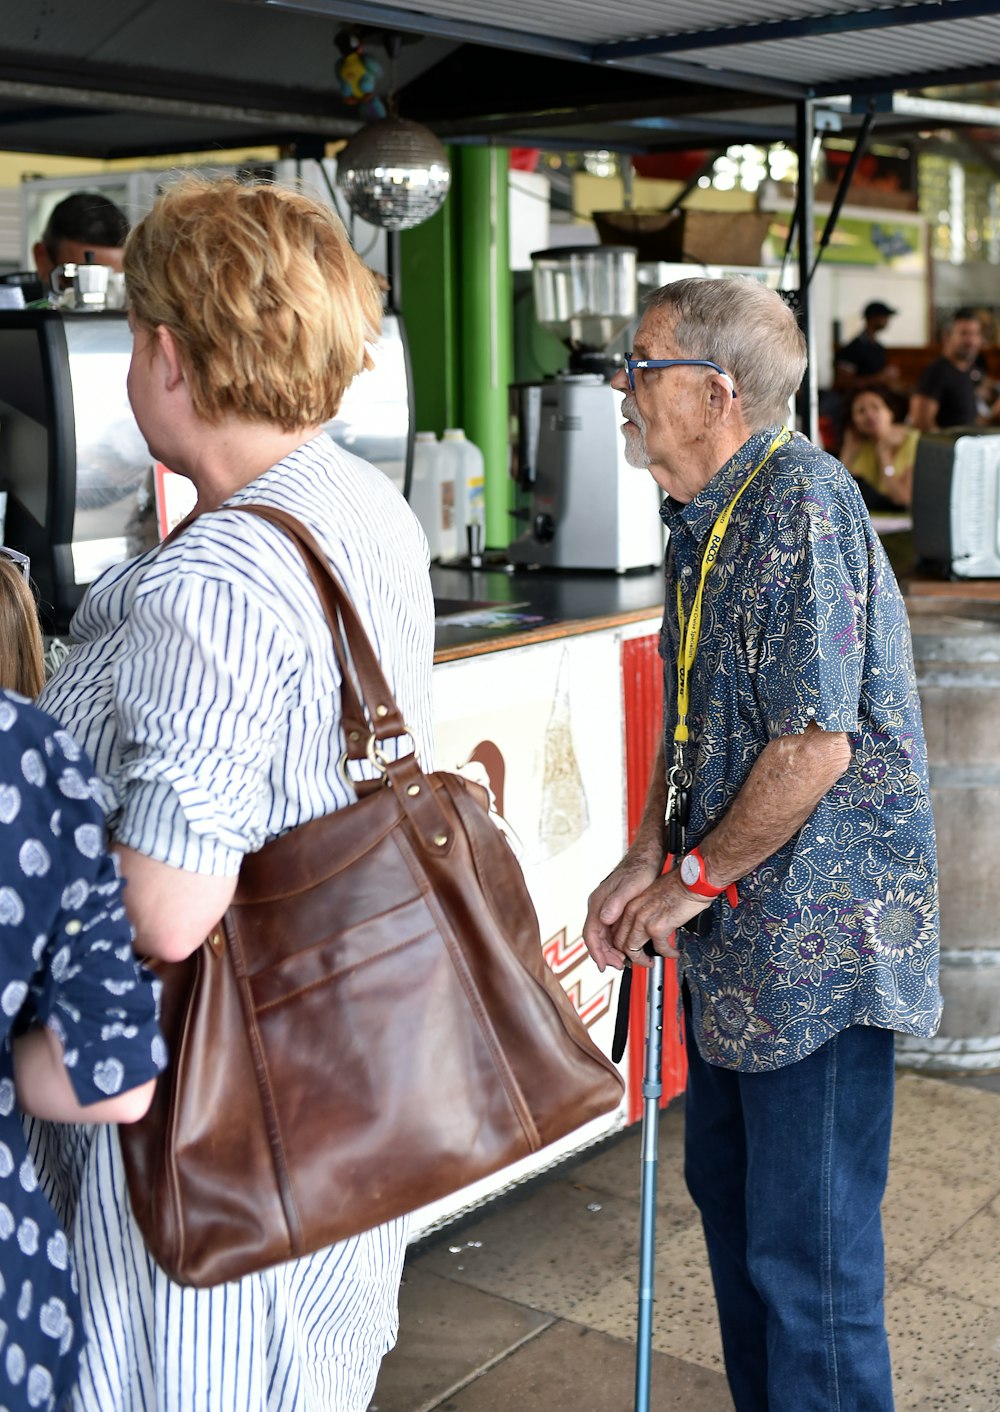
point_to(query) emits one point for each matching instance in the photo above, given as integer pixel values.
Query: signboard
(881, 240)
(543, 728)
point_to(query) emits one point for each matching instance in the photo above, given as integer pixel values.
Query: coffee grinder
(581, 505)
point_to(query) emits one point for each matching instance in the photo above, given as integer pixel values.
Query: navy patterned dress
(66, 961)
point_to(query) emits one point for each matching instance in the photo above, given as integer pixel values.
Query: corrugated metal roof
(597, 22)
(191, 73)
(843, 58)
(864, 39)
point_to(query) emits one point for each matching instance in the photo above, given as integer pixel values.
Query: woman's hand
(850, 447)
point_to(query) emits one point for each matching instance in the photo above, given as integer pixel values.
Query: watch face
(690, 872)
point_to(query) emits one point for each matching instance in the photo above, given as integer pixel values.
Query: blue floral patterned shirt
(802, 621)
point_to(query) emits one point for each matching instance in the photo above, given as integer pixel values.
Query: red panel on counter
(642, 678)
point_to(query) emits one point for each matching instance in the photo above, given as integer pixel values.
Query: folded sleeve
(88, 986)
(200, 701)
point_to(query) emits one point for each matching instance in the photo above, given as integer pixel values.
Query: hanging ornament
(394, 173)
(358, 75)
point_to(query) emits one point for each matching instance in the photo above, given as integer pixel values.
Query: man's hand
(608, 901)
(654, 916)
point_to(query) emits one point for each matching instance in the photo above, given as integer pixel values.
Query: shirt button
(686, 571)
(810, 710)
(74, 926)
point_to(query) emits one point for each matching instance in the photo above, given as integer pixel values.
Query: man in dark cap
(86, 228)
(863, 361)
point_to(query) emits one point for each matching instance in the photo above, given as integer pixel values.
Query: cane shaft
(652, 1088)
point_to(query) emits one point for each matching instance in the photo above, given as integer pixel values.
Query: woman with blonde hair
(207, 691)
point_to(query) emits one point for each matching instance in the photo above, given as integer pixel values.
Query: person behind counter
(84, 228)
(206, 686)
(879, 451)
(804, 907)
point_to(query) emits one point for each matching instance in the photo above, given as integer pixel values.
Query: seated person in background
(85, 227)
(947, 394)
(864, 360)
(878, 450)
(22, 654)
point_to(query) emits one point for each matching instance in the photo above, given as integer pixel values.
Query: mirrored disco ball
(394, 173)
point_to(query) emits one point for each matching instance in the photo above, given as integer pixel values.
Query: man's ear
(167, 348)
(721, 396)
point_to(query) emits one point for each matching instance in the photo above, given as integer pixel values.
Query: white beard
(635, 436)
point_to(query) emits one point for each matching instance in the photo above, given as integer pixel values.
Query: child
(78, 1035)
(21, 649)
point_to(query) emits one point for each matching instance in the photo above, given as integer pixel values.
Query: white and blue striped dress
(207, 693)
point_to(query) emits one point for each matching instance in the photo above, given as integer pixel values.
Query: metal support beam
(108, 101)
(844, 186)
(804, 209)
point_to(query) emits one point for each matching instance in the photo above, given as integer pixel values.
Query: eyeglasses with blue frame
(632, 363)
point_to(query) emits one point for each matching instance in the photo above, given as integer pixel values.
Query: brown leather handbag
(371, 1026)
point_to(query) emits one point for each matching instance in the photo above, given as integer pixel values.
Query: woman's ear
(166, 346)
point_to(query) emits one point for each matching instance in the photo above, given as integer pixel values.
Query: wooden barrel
(956, 649)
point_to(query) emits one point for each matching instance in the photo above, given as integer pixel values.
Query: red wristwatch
(694, 879)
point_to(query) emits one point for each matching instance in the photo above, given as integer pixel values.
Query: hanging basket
(695, 237)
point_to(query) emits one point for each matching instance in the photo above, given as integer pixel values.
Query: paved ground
(530, 1307)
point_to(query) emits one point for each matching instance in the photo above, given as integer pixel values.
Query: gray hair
(747, 329)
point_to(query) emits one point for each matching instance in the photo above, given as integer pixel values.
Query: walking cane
(652, 1088)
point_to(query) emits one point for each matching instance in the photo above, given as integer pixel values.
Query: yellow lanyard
(688, 632)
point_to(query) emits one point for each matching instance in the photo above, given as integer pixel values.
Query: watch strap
(703, 888)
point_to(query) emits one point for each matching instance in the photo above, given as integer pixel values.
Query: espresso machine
(580, 504)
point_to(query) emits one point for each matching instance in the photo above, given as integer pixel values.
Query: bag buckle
(376, 757)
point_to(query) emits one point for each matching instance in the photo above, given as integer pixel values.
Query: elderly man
(793, 785)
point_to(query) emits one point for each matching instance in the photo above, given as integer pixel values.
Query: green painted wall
(429, 302)
(487, 319)
(457, 299)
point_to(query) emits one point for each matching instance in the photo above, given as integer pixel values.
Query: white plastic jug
(432, 495)
(464, 460)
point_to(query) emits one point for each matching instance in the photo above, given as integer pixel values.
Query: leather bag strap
(376, 714)
(380, 719)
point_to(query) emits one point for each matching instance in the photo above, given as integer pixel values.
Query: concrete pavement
(530, 1304)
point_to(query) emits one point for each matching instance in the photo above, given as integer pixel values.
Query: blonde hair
(22, 653)
(746, 328)
(269, 306)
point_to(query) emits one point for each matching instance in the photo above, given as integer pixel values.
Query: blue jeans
(788, 1169)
